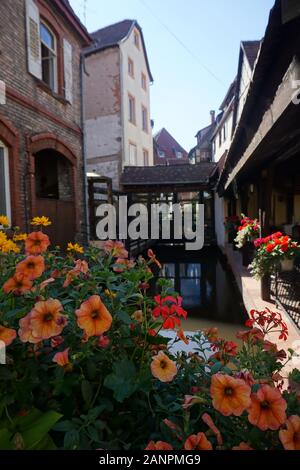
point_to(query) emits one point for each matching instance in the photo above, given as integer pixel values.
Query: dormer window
(178, 154)
(161, 154)
(49, 56)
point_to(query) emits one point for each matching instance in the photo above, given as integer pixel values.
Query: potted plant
(277, 251)
(247, 232)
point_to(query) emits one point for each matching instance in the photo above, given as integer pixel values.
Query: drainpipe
(121, 111)
(85, 188)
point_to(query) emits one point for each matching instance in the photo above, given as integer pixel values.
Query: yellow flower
(4, 221)
(20, 237)
(3, 239)
(9, 246)
(41, 221)
(75, 247)
(110, 294)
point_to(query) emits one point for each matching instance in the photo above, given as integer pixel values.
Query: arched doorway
(52, 167)
(54, 195)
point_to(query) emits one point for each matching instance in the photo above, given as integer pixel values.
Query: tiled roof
(166, 142)
(251, 49)
(167, 175)
(111, 35)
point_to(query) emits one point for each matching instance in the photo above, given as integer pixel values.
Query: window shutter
(33, 39)
(68, 71)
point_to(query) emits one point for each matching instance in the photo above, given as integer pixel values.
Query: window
(220, 138)
(224, 132)
(49, 57)
(137, 39)
(146, 157)
(214, 146)
(144, 119)
(131, 67)
(161, 154)
(4, 182)
(132, 154)
(178, 154)
(131, 109)
(144, 81)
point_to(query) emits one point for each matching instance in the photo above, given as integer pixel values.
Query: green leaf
(216, 367)
(86, 391)
(71, 440)
(124, 317)
(122, 380)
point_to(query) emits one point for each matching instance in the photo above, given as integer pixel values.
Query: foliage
(270, 251)
(87, 365)
(247, 231)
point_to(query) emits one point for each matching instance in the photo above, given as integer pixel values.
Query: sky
(193, 48)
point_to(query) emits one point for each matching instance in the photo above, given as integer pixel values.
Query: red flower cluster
(169, 308)
(247, 222)
(268, 321)
(277, 241)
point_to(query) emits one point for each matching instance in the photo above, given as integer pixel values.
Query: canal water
(207, 285)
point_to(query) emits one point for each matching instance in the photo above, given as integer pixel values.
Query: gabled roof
(251, 49)
(167, 175)
(65, 7)
(113, 35)
(166, 142)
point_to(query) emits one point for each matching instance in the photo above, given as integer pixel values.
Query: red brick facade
(35, 118)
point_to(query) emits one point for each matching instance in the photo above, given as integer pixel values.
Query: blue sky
(189, 80)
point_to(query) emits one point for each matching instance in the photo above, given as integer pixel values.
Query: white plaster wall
(220, 149)
(133, 86)
(103, 136)
(246, 75)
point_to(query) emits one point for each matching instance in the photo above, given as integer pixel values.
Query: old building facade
(117, 101)
(167, 151)
(41, 141)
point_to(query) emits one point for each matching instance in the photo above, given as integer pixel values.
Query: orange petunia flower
(163, 368)
(242, 446)
(36, 243)
(93, 317)
(7, 335)
(159, 445)
(62, 359)
(181, 335)
(25, 331)
(290, 437)
(208, 420)
(267, 410)
(115, 249)
(17, 284)
(229, 395)
(197, 442)
(32, 266)
(46, 319)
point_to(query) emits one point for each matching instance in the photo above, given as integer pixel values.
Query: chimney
(212, 116)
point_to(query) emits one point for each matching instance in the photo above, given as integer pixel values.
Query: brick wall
(31, 108)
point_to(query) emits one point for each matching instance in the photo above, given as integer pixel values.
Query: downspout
(85, 187)
(121, 111)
